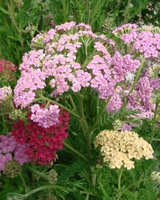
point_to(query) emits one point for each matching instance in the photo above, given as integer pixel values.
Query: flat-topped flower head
(118, 148)
(44, 133)
(55, 65)
(144, 41)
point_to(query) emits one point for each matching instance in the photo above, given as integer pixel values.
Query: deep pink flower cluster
(41, 143)
(50, 19)
(45, 117)
(7, 69)
(10, 149)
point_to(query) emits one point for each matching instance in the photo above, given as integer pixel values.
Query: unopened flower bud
(16, 114)
(117, 124)
(108, 25)
(37, 42)
(155, 176)
(52, 177)
(12, 169)
(18, 4)
(5, 98)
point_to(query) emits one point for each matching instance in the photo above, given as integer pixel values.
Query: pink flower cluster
(58, 63)
(41, 143)
(10, 149)
(141, 99)
(29, 82)
(142, 94)
(59, 67)
(4, 93)
(45, 117)
(144, 42)
(124, 27)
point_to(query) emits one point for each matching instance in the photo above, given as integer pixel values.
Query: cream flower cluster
(119, 148)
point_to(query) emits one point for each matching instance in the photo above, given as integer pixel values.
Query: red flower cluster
(6, 69)
(42, 143)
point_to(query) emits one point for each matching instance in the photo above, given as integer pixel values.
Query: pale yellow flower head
(118, 148)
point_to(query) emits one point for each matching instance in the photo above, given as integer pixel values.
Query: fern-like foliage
(73, 169)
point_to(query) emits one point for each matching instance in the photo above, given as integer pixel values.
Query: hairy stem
(153, 122)
(135, 81)
(119, 183)
(23, 182)
(75, 151)
(62, 106)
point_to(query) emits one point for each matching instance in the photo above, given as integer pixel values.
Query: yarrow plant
(70, 66)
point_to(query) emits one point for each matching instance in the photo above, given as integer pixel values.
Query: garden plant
(79, 100)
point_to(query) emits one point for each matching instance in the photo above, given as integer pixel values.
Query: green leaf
(14, 38)
(32, 14)
(23, 9)
(4, 11)
(130, 195)
(76, 167)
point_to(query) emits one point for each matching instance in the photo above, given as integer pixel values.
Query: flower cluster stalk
(135, 81)
(154, 121)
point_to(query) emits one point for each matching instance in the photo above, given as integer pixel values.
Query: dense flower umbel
(45, 117)
(143, 41)
(54, 63)
(41, 143)
(119, 148)
(10, 149)
(7, 70)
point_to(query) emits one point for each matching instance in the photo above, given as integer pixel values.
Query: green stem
(153, 122)
(64, 10)
(94, 176)
(156, 139)
(135, 80)
(23, 182)
(62, 106)
(102, 111)
(135, 183)
(104, 192)
(48, 187)
(39, 173)
(72, 102)
(80, 100)
(88, 11)
(127, 11)
(119, 183)
(15, 24)
(74, 150)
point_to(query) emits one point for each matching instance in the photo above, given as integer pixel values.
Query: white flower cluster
(120, 147)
